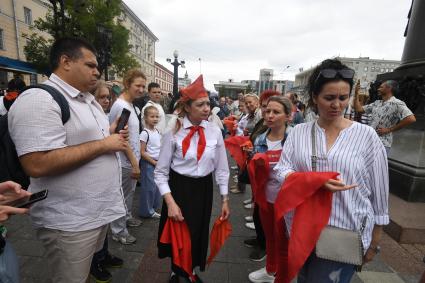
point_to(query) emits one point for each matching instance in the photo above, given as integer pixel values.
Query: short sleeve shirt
(152, 138)
(86, 197)
(385, 114)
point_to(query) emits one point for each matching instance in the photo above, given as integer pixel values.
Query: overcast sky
(235, 39)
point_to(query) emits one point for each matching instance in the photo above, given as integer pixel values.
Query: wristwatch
(376, 249)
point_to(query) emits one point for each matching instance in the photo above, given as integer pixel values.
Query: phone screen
(123, 120)
(27, 201)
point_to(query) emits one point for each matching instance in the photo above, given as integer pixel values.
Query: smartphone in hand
(123, 120)
(25, 202)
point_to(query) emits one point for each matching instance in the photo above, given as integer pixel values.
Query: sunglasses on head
(331, 73)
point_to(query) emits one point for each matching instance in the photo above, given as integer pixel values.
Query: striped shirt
(359, 157)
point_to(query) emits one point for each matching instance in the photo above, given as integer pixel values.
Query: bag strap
(313, 148)
(58, 97)
(139, 117)
(147, 140)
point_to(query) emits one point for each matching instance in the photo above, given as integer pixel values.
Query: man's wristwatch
(376, 249)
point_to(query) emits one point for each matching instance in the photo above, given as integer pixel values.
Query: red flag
(219, 234)
(235, 145)
(301, 191)
(258, 170)
(230, 123)
(176, 233)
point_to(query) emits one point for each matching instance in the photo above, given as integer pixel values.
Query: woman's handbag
(334, 243)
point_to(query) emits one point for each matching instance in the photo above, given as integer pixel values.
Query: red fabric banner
(235, 147)
(219, 234)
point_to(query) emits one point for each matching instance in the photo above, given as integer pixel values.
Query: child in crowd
(150, 144)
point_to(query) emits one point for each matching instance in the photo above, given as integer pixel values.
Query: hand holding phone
(123, 120)
(25, 202)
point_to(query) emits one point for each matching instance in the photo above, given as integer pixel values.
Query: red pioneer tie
(201, 141)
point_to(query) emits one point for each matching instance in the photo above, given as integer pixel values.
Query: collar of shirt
(70, 90)
(187, 124)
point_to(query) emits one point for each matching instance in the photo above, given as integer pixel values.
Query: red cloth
(268, 223)
(301, 191)
(235, 145)
(229, 123)
(176, 233)
(219, 234)
(201, 141)
(194, 91)
(258, 170)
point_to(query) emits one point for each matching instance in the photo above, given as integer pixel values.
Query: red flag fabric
(301, 191)
(230, 123)
(219, 234)
(201, 141)
(258, 170)
(235, 145)
(176, 233)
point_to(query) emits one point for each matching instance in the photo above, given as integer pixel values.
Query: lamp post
(176, 64)
(105, 37)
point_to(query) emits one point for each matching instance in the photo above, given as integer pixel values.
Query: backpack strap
(147, 140)
(58, 97)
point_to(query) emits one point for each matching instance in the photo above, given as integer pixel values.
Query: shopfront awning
(16, 65)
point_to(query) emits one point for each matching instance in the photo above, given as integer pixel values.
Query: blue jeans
(325, 271)
(9, 266)
(150, 197)
(387, 149)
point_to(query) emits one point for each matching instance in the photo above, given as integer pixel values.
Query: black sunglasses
(332, 74)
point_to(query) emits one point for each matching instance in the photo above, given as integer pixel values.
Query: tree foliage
(82, 19)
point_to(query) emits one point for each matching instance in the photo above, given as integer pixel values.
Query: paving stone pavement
(396, 264)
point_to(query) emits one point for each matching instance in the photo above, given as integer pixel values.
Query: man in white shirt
(155, 96)
(76, 161)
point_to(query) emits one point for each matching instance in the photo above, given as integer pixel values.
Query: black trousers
(194, 196)
(261, 237)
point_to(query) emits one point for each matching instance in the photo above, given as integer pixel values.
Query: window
(365, 69)
(1, 39)
(28, 16)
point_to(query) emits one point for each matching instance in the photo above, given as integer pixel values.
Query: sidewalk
(396, 264)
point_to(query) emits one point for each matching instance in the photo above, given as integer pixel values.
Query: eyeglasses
(332, 74)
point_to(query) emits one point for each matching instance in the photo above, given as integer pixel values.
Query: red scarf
(301, 191)
(235, 146)
(219, 234)
(201, 141)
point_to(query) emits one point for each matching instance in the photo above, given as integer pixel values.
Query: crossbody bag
(337, 244)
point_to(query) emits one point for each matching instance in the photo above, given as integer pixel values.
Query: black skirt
(194, 196)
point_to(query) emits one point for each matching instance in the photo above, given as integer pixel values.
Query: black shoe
(100, 274)
(258, 254)
(174, 279)
(251, 243)
(112, 261)
(198, 279)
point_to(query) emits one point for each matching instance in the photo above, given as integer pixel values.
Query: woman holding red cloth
(189, 155)
(360, 199)
(270, 143)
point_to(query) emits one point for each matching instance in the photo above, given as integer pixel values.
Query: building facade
(184, 82)
(164, 78)
(266, 80)
(231, 88)
(366, 70)
(16, 18)
(142, 40)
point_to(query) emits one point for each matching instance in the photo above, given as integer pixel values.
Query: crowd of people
(91, 169)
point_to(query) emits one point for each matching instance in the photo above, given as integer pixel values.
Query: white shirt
(3, 110)
(133, 129)
(360, 158)
(214, 157)
(241, 125)
(273, 184)
(86, 197)
(153, 139)
(162, 122)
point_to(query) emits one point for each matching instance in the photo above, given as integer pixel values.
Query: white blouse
(214, 157)
(359, 156)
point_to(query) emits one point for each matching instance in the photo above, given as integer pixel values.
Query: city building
(184, 82)
(282, 86)
(366, 70)
(231, 88)
(164, 78)
(252, 85)
(16, 18)
(142, 40)
(266, 80)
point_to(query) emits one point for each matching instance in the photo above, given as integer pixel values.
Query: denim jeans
(9, 265)
(150, 197)
(325, 271)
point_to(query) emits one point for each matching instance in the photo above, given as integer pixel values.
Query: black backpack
(11, 168)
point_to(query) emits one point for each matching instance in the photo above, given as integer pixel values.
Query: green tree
(82, 19)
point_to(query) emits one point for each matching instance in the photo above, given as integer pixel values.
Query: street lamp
(176, 64)
(105, 36)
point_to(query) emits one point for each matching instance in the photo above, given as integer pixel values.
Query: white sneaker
(124, 239)
(234, 167)
(248, 206)
(156, 215)
(249, 219)
(261, 276)
(250, 225)
(247, 201)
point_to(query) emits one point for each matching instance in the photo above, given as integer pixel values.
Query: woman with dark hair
(334, 144)
(189, 155)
